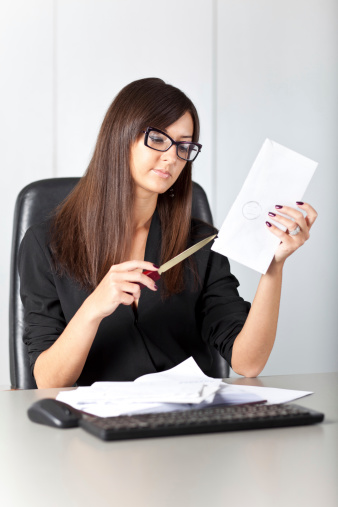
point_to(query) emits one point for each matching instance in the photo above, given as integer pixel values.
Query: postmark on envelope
(252, 210)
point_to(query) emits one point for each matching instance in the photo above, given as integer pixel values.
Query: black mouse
(54, 413)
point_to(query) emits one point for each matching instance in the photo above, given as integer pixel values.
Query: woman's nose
(170, 155)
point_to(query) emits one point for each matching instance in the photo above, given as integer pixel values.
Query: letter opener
(155, 275)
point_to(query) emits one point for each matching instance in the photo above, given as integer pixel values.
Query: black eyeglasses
(160, 141)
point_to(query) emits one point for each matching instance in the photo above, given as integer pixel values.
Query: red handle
(154, 275)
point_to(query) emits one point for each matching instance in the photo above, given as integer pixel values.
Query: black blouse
(162, 334)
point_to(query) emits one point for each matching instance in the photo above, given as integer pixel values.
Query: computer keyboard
(207, 420)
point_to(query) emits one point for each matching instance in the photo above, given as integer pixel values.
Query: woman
(81, 271)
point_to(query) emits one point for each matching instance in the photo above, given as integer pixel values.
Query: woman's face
(155, 171)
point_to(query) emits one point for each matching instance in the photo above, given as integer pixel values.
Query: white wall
(26, 122)
(102, 46)
(254, 69)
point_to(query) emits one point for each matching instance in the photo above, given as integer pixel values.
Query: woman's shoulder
(34, 258)
(36, 236)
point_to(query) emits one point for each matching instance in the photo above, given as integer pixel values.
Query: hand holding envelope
(278, 176)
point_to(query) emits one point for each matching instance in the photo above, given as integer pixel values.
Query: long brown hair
(93, 228)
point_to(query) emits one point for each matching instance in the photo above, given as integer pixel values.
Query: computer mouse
(54, 413)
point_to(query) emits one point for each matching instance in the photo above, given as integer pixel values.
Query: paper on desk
(187, 371)
(128, 396)
(278, 176)
(272, 395)
(176, 391)
(149, 392)
(169, 390)
(98, 403)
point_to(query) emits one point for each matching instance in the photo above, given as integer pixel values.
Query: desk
(45, 467)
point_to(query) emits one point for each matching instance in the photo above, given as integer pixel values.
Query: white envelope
(278, 176)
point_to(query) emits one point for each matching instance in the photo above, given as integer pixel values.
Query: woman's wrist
(276, 267)
(89, 312)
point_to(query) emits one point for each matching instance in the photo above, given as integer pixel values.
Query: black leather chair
(34, 203)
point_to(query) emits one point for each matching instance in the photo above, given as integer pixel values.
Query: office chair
(34, 203)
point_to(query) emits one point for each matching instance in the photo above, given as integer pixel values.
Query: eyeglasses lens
(158, 141)
(187, 151)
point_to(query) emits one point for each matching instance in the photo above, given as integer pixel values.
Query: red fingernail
(271, 214)
(300, 203)
(155, 286)
(268, 224)
(278, 206)
(157, 267)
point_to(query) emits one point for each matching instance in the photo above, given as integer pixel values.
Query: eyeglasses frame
(176, 143)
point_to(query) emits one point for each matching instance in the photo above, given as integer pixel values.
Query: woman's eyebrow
(182, 137)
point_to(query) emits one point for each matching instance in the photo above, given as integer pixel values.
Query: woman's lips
(161, 174)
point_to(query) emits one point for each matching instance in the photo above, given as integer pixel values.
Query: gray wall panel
(277, 77)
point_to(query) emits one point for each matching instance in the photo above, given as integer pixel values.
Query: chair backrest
(34, 203)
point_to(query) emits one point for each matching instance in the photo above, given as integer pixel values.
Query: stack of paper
(181, 388)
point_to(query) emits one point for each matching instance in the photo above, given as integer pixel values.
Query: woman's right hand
(119, 286)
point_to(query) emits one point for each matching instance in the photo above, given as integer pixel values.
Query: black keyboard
(207, 420)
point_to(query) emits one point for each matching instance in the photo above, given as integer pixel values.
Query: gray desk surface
(43, 466)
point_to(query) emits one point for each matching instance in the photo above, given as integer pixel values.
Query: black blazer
(161, 335)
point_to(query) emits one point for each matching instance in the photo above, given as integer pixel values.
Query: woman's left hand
(298, 228)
